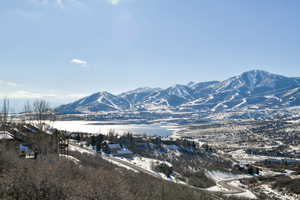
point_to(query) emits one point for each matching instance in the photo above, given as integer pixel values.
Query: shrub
(164, 168)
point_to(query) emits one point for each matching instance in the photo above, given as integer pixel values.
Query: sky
(66, 49)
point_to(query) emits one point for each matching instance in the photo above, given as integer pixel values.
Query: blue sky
(63, 49)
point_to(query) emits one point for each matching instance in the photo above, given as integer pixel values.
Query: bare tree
(4, 115)
(41, 112)
(27, 112)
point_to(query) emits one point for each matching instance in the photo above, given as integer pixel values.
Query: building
(117, 150)
(27, 152)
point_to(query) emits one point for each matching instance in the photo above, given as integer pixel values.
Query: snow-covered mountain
(254, 89)
(170, 97)
(139, 95)
(101, 101)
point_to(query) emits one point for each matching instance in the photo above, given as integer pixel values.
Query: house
(124, 152)
(113, 148)
(24, 148)
(117, 150)
(27, 152)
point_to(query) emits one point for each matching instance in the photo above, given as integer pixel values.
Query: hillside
(50, 174)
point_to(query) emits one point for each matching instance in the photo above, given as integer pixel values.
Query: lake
(95, 127)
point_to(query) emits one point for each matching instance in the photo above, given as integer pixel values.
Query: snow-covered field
(145, 163)
(95, 127)
(223, 176)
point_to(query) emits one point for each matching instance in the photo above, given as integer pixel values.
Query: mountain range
(254, 89)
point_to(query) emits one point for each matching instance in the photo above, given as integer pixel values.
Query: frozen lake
(95, 127)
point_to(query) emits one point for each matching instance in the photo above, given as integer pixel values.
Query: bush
(164, 168)
(291, 185)
(199, 179)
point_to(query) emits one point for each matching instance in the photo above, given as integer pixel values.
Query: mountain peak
(261, 73)
(191, 83)
(144, 89)
(257, 71)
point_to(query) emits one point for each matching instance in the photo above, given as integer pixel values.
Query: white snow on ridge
(179, 90)
(233, 96)
(272, 97)
(244, 100)
(295, 90)
(223, 103)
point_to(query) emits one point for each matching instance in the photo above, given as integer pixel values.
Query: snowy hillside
(101, 101)
(139, 95)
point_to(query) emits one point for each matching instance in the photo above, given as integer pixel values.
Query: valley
(220, 145)
(229, 152)
(149, 100)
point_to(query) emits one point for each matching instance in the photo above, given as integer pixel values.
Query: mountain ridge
(249, 90)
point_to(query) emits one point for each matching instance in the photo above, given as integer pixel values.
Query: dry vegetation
(94, 178)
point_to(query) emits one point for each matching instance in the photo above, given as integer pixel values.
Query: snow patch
(80, 149)
(221, 176)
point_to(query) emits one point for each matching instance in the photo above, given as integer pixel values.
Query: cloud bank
(24, 94)
(7, 83)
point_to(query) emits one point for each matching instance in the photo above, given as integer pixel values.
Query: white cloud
(7, 83)
(114, 2)
(23, 94)
(65, 3)
(60, 3)
(82, 63)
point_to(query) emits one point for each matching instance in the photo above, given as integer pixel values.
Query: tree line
(35, 112)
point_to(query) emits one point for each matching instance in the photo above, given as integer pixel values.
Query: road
(231, 189)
